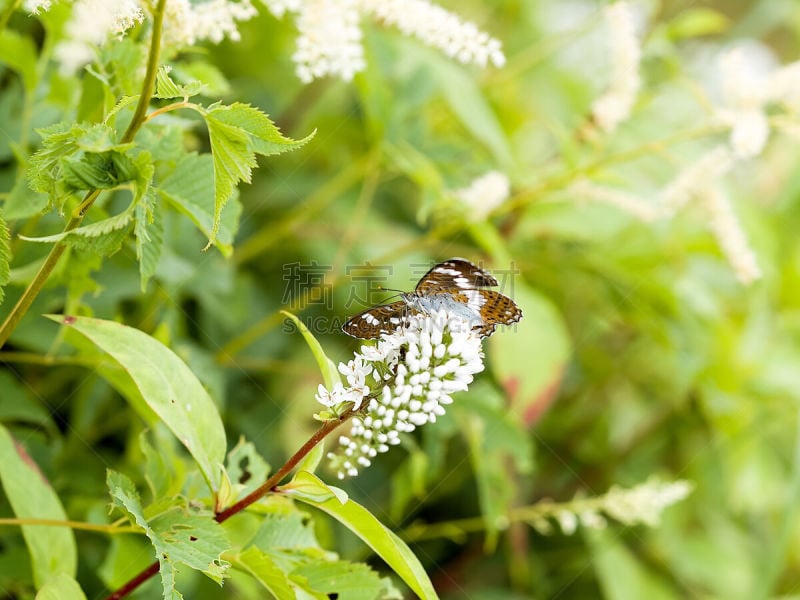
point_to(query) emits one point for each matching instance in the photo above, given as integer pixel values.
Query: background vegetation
(641, 354)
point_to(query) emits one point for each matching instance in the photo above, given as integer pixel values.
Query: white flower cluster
(413, 372)
(91, 24)
(186, 22)
(747, 89)
(440, 29)
(485, 194)
(615, 105)
(730, 237)
(330, 33)
(642, 504)
(330, 40)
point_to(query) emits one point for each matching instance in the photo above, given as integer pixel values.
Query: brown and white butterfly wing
(493, 307)
(454, 274)
(373, 322)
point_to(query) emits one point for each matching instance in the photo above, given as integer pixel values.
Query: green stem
(77, 525)
(41, 277)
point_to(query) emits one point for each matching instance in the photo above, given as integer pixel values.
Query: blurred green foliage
(640, 352)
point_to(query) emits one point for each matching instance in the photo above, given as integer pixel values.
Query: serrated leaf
(103, 238)
(263, 568)
(341, 579)
(149, 233)
(237, 133)
(178, 536)
(246, 468)
(167, 88)
(61, 587)
(19, 53)
(99, 171)
(330, 373)
(394, 552)
(52, 549)
(190, 188)
(170, 389)
(5, 256)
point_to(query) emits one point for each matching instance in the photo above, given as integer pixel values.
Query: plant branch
(77, 525)
(41, 277)
(268, 486)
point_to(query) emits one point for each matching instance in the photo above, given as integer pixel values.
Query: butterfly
(453, 285)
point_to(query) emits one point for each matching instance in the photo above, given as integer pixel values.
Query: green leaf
(178, 536)
(360, 521)
(530, 380)
(98, 171)
(19, 53)
(467, 101)
(5, 256)
(343, 580)
(103, 237)
(500, 451)
(621, 574)
(149, 233)
(246, 468)
(330, 373)
(190, 189)
(166, 88)
(52, 549)
(237, 133)
(168, 387)
(61, 587)
(263, 568)
(79, 156)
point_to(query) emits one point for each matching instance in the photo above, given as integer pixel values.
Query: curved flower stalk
(642, 504)
(402, 383)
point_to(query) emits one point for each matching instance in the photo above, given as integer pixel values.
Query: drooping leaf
(190, 188)
(360, 521)
(61, 587)
(170, 389)
(149, 233)
(237, 133)
(52, 549)
(178, 536)
(263, 568)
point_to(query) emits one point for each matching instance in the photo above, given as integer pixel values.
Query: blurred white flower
(440, 354)
(615, 105)
(92, 23)
(186, 22)
(329, 41)
(330, 33)
(440, 29)
(641, 504)
(693, 179)
(730, 236)
(485, 194)
(638, 207)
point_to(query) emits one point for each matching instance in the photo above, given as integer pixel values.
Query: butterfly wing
(373, 322)
(456, 273)
(493, 307)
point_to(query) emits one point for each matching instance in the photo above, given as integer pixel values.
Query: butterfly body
(453, 285)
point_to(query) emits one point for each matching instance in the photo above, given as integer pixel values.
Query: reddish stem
(268, 486)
